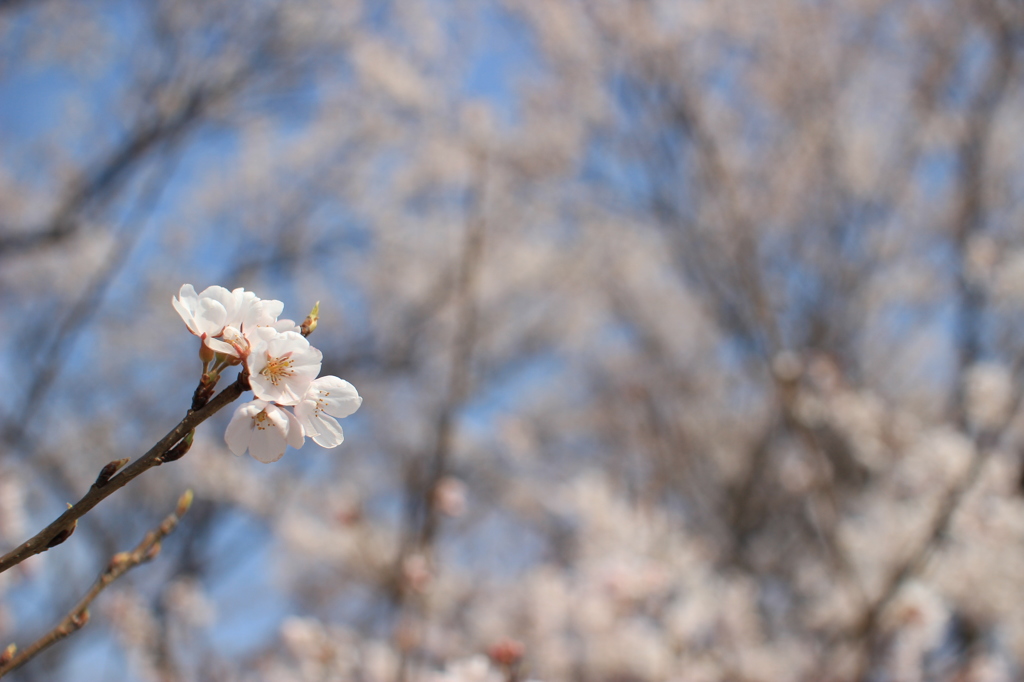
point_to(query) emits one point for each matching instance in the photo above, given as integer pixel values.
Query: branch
(120, 564)
(866, 629)
(170, 447)
(106, 175)
(915, 563)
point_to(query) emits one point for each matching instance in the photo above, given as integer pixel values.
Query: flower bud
(79, 619)
(152, 553)
(179, 450)
(118, 561)
(206, 354)
(107, 472)
(62, 535)
(308, 325)
(184, 502)
(506, 652)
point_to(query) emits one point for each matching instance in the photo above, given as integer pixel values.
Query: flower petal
(296, 434)
(267, 445)
(187, 294)
(340, 397)
(285, 326)
(185, 305)
(262, 313)
(330, 435)
(327, 397)
(242, 425)
(211, 316)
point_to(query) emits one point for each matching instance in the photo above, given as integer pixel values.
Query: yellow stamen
(277, 368)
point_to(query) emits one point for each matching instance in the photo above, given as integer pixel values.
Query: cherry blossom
(264, 429)
(207, 314)
(282, 365)
(326, 399)
(237, 341)
(226, 319)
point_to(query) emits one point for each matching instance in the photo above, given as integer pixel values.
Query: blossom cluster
(238, 327)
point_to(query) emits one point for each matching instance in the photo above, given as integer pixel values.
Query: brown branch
(165, 450)
(120, 564)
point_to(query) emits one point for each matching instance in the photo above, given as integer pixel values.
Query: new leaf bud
(184, 502)
(308, 325)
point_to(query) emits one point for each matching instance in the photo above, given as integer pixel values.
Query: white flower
(264, 429)
(282, 365)
(327, 397)
(263, 313)
(238, 341)
(226, 319)
(238, 326)
(207, 314)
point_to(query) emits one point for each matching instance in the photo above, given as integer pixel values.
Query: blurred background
(689, 334)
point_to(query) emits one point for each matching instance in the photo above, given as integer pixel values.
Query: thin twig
(157, 455)
(462, 348)
(120, 564)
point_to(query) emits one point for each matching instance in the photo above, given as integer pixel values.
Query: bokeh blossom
(696, 331)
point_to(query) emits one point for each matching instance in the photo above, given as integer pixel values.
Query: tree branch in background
(116, 167)
(422, 521)
(120, 564)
